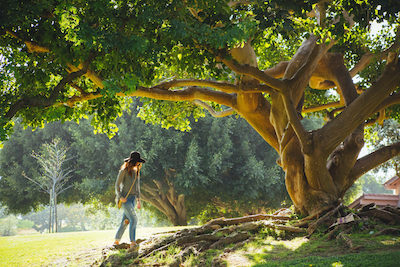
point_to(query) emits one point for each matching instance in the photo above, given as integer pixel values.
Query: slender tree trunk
(50, 213)
(55, 212)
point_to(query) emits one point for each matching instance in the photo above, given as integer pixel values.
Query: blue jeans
(129, 214)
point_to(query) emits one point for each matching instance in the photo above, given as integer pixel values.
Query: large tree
(264, 60)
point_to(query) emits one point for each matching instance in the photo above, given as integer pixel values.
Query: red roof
(392, 183)
(378, 199)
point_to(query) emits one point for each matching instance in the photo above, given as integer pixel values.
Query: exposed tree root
(311, 217)
(383, 215)
(215, 234)
(338, 223)
(388, 231)
(328, 218)
(250, 218)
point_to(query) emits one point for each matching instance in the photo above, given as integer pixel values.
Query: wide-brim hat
(135, 157)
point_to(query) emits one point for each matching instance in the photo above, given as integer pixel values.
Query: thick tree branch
(344, 157)
(32, 46)
(362, 64)
(253, 72)
(302, 134)
(258, 88)
(240, 2)
(89, 74)
(306, 59)
(342, 78)
(78, 88)
(278, 70)
(41, 101)
(368, 57)
(361, 108)
(188, 94)
(216, 114)
(224, 87)
(321, 107)
(371, 161)
(389, 101)
(298, 73)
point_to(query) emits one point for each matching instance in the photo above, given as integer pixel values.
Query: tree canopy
(270, 61)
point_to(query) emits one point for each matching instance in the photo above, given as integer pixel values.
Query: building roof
(392, 183)
(378, 199)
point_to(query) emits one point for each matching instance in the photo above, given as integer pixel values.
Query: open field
(62, 249)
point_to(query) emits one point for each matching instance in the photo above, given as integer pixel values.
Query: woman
(127, 189)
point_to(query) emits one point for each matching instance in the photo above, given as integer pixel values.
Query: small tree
(54, 178)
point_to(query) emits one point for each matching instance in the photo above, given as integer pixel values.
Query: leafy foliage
(139, 43)
(220, 162)
(383, 135)
(68, 60)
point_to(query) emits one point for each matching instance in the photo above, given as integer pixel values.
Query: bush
(25, 224)
(8, 226)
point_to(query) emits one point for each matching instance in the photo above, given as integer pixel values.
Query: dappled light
(258, 133)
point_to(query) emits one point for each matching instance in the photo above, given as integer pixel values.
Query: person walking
(127, 190)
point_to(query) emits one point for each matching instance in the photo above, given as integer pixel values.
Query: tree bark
(162, 195)
(55, 213)
(50, 212)
(320, 165)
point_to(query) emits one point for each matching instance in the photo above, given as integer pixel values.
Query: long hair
(128, 166)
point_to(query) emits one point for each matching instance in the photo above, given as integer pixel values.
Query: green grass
(267, 251)
(381, 259)
(74, 248)
(377, 251)
(83, 248)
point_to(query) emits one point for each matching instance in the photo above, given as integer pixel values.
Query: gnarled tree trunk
(320, 165)
(162, 195)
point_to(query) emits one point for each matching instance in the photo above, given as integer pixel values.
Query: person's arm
(118, 183)
(138, 190)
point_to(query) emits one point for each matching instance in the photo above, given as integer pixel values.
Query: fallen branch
(250, 218)
(392, 210)
(383, 215)
(283, 227)
(234, 238)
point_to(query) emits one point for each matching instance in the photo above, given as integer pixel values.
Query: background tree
(381, 135)
(62, 60)
(367, 184)
(16, 193)
(235, 179)
(54, 177)
(186, 172)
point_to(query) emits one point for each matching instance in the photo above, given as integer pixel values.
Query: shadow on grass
(382, 259)
(380, 251)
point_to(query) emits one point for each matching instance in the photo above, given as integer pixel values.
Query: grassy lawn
(267, 251)
(379, 251)
(83, 248)
(73, 248)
